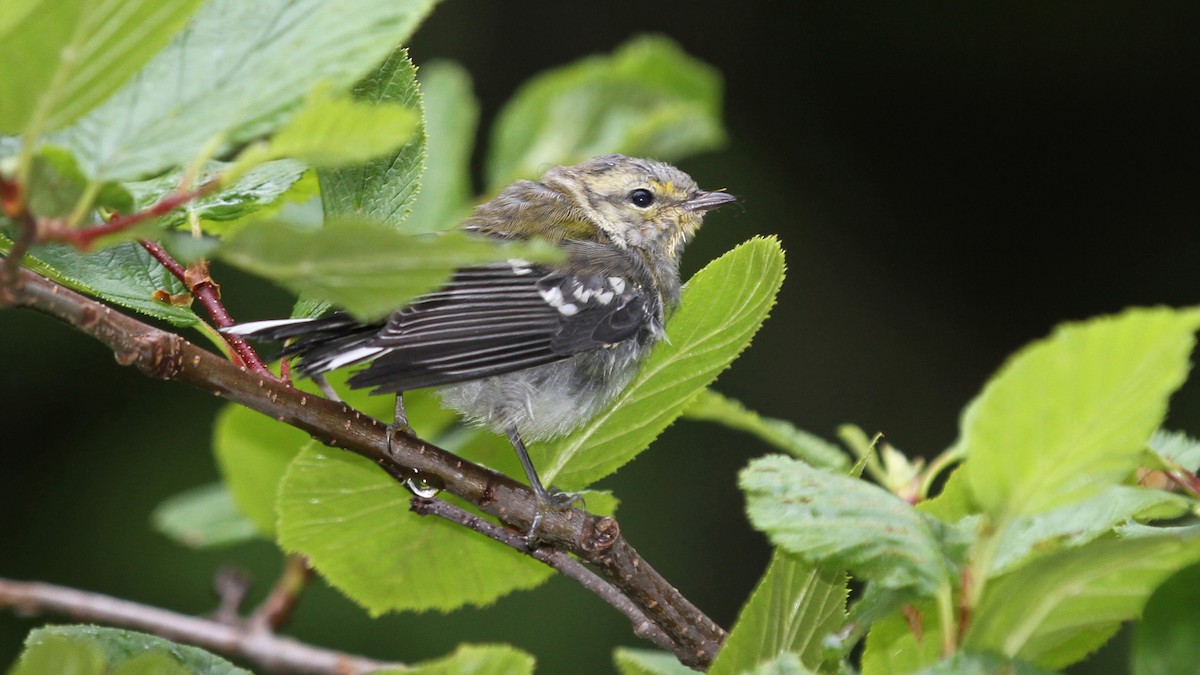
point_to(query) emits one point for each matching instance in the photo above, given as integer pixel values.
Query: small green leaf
(62, 57)
(475, 660)
(892, 648)
(847, 523)
(977, 663)
(1164, 642)
(362, 266)
(793, 609)
(451, 119)
(722, 308)
(203, 517)
(1070, 415)
(340, 510)
(124, 275)
(118, 651)
(712, 406)
(385, 187)
(1057, 609)
(648, 662)
(1177, 447)
(55, 182)
(233, 76)
(648, 99)
(784, 664)
(329, 131)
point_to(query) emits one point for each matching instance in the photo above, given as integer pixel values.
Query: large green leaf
(711, 406)
(649, 99)
(473, 660)
(793, 609)
(1059, 608)
(62, 57)
(92, 650)
(648, 662)
(233, 75)
(1070, 415)
(342, 512)
(722, 308)
(451, 119)
(385, 187)
(1177, 447)
(363, 266)
(846, 523)
(1164, 642)
(203, 517)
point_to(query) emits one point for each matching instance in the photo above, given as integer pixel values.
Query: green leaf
(648, 99)
(475, 660)
(124, 275)
(384, 188)
(96, 650)
(234, 75)
(1177, 447)
(1059, 608)
(722, 308)
(253, 451)
(793, 609)
(203, 517)
(712, 406)
(631, 661)
(892, 648)
(846, 523)
(1069, 415)
(1076, 524)
(63, 57)
(341, 510)
(977, 663)
(1164, 642)
(451, 120)
(329, 131)
(784, 664)
(362, 266)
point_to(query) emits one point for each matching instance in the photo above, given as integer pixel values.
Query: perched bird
(531, 350)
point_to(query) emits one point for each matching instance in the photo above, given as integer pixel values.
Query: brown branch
(265, 649)
(201, 285)
(595, 540)
(277, 609)
(563, 563)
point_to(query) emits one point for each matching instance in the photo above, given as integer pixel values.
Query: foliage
(339, 180)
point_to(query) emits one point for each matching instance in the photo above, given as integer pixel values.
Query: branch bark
(597, 541)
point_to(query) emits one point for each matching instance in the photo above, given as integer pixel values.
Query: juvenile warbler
(532, 350)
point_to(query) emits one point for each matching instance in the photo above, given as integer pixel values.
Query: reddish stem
(83, 239)
(201, 285)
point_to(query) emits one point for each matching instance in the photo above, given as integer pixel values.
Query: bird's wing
(497, 319)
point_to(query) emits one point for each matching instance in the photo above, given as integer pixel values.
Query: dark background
(950, 181)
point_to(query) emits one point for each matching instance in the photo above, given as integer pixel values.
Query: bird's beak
(706, 201)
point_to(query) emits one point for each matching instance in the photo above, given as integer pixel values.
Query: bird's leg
(323, 384)
(400, 425)
(547, 500)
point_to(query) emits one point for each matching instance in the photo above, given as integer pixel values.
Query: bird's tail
(321, 344)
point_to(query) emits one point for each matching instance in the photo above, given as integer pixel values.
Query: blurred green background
(950, 180)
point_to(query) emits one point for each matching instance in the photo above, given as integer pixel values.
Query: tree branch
(595, 540)
(268, 651)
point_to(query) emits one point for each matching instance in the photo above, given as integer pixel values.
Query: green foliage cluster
(339, 179)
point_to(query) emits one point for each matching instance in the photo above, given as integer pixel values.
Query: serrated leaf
(203, 517)
(451, 120)
(340, 510)
(722, 308)
(1177, 447)
(384, 188)
(1059, 608)
(62, 57)
(847, 523)
(1164, 641)
(123, 275)
(1076, 524)
(648, 99)
(117, 647)
(233, 75)
(475, 660)
(648, 662)
(976, 663)
(61, 655)
(712, 406)
(1070, 415)
(792, 610)
(363, 266)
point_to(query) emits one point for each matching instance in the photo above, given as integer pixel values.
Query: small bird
(531, 350)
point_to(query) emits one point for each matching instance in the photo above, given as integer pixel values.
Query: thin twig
(84, 238)
(595, 540)
(563, 563)
(201, 285)
(265, 649)
(277, 609)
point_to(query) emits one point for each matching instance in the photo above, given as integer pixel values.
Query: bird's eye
(641, 198)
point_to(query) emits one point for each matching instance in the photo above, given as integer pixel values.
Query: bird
(530, 350)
